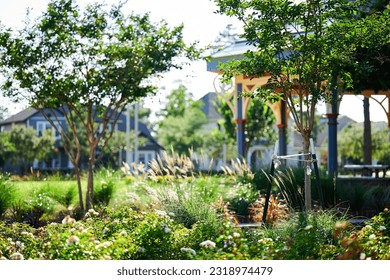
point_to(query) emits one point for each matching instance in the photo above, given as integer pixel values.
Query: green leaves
(69, 51)
(301, 44)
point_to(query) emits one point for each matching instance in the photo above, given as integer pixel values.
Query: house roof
(22, 116)
(25, 114)
(208, 107)
(235, 51)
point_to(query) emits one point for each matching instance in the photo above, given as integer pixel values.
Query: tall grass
(6, 194)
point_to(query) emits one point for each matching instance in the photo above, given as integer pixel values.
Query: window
(42, 126)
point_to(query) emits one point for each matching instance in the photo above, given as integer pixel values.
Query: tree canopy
(89, 64)
(304, 46)
(259, 123)
(182, 119)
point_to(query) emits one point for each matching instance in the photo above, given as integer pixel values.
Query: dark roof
(22, 116)
(234, 51)
(208, 107)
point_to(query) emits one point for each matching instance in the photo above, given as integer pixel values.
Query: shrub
(103, 193)
(65, 198)
(240, 197)
(6, 194)
(187, 207)
(304, 234)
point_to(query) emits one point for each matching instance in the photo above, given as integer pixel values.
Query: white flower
(105, 244)
(141, 250)
(309, 227)
(68, 220)
(171, 214)
(161, 213)
(368, 227)
(20, 245)
(25, 233)
(372, 236)
(362, 256)
(17, 256)
(123, 233)
(207, 244)
(188, 250)
(167, 230)
(382, 228)
(92, 212)
(73, 240)
(236, 235)
(265, 240)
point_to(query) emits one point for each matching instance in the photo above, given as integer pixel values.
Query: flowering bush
(128, 234)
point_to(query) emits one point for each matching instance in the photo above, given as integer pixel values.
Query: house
(30, 117)
(208, 108)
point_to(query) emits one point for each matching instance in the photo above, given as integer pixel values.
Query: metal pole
(240, 125)
(136, 157)
(128, 135)
(282, 129)
(332, 137)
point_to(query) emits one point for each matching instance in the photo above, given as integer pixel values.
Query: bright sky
(200, 24)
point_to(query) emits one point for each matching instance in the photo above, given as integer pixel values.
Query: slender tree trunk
(90, 188)
(307, 170)
(79, 188)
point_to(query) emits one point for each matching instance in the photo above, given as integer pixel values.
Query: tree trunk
(307, 170)
(90, 189)
(80, 191)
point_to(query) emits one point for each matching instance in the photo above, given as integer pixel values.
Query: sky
(201, 23)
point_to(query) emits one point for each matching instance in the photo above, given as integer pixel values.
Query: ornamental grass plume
(170, 166)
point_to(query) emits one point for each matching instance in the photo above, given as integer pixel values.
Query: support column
(367, 143)
(282, 129)
(332, 136)
(240, 125)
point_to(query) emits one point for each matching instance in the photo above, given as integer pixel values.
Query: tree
(6, 147)
(117, 145)
(381, 146)
(302, 46)
(351, 144)
(3, 112)
(182, 119)
(259, 123)
(26, 146)
(88, 65)
(213, 144)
